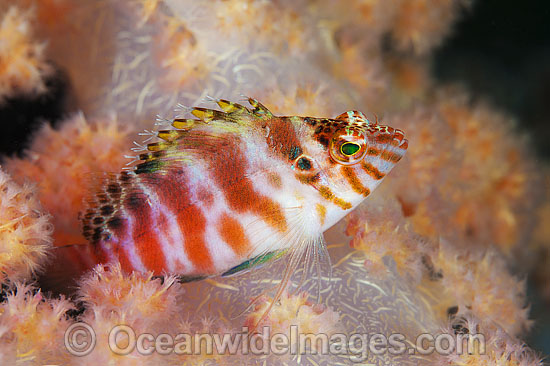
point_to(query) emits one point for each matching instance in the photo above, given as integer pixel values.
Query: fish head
(348, 158)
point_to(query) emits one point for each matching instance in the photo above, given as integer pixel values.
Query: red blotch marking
(384, 138)
(354, 181)
(372, 170)
(205, 196)
(229, 167)
(173, 193)
(233, 234)
(282, 136)
(193, 226)
(99, 254)
(391, 156)
(117, 228)
(144, 237)
(373, 151)
(124, 260)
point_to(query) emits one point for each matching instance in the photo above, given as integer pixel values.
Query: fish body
(229, 188)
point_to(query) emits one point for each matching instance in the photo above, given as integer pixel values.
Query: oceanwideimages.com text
(80, 340)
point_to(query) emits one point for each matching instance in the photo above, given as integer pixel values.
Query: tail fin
(68, 264)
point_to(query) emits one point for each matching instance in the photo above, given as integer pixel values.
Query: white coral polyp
(25, 230)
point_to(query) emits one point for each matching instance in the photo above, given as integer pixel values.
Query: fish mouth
(389, 136)
(399, 140)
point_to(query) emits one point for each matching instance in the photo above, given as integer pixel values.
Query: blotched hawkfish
(234, 188)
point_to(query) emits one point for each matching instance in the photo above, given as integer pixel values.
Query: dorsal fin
(208, 115)
(230, 107)
(259, 109)
(231, 112)
(175, 144)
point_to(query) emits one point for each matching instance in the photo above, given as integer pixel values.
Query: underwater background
(502, 52)
(455, 239)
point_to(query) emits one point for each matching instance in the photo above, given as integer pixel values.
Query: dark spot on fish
(124, 177)
(134, 201)
(114, 223)
(310, 121)
(304, 164)
(89, 215)
(327, 129)
(97, 234)
(295, 151)
(98, 221)
(318, 130)
(87, 231)
(102, 198)
(323, 141)
(106, 210)
(113, 189)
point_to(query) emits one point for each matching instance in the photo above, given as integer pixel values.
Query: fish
(233, 188)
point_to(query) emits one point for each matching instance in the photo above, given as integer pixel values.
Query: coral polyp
(23, 63)
(63, 184)
(25, 232)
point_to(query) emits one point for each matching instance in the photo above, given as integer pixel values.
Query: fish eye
(349, 148)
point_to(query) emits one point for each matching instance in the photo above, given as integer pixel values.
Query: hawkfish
(230, 189)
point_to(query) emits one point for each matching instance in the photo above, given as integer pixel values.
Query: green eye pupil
(349, 148)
